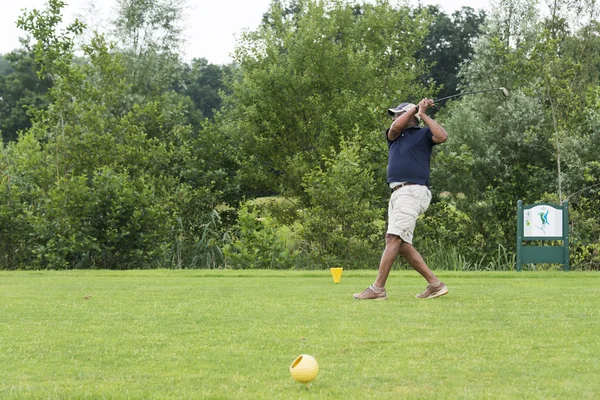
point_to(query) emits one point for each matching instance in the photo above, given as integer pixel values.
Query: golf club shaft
(504, 92)
(463, 94)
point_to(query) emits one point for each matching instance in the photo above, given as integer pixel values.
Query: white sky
(211, 26)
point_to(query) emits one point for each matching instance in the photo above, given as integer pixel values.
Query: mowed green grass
(233, 335)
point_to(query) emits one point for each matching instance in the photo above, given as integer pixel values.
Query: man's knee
(392, 240)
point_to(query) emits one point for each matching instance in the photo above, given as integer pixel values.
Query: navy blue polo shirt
(409, 156)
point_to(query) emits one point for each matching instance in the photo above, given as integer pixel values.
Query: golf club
(504, 92)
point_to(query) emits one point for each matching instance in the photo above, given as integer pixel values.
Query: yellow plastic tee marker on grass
(337, 274)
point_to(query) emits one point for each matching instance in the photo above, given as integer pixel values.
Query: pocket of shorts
(420, 192)
(423, 195)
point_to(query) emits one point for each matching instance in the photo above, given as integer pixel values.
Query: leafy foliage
(21, 89)
(315, 76)
(532, 146)
(202, 83)
(449, 44)
(343, 220)
(91, 183)
(149, 34)
(257, 244)
(121, 157)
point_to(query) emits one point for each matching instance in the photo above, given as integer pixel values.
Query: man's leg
(392, 249)
(414, 259)
(376, 291)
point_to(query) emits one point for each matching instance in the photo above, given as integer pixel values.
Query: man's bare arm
(439, 133)
(401, 123)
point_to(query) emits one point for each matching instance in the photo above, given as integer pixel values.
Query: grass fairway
(233, 334)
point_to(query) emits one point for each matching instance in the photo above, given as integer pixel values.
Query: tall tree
(450, 43)
(5, 67)
(534, 145)
(20, 89)
(149, 33)
(203, 83)
(99, 181)
(311, 77)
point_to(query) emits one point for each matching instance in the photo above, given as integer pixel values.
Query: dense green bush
(342, 223)
(257, 242)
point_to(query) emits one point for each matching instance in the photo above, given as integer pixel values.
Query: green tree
(20, 89)
(448, 44)
(203, 83)
(311, 77)
(307, 111)
(531, 146)
(5, 67)
(149, 33)
(99, 181)
(342, 223)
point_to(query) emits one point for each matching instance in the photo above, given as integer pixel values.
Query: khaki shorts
(406, 204)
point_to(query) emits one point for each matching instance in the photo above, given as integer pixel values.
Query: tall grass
(197, 247)
(444, 257)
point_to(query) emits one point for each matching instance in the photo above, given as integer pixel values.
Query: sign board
(541, 222)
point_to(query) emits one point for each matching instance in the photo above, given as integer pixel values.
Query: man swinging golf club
(409, 156)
